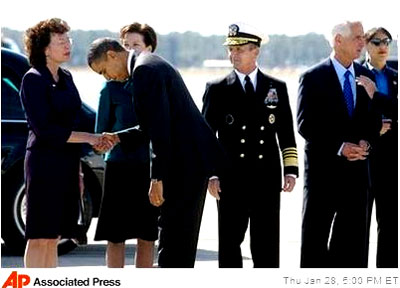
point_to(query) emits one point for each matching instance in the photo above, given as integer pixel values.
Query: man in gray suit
(185, 152)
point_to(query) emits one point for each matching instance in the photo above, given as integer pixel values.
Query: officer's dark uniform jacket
(248, 127)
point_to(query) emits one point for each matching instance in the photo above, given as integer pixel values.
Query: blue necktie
(348, 93)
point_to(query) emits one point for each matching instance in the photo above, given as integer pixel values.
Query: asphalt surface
(93, 254)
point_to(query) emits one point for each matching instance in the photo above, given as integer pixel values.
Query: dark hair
(372, 32)
(99, 48)
(148, 33)
(37, 38)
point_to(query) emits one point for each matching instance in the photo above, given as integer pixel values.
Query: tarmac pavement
(93, 254)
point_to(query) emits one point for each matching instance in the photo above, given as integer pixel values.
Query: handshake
(102, 143)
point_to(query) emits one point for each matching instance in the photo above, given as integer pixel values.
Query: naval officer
(250, 113)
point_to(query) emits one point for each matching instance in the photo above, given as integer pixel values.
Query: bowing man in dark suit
(250, 111)
(127, 172)
(184, 149)
(384, 164)
(336, 119)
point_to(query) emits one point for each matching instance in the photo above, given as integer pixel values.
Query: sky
(207, 17)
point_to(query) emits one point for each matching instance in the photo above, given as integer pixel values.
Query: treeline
(190, 49)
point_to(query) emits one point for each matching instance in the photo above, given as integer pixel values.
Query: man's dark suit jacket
(331, 182)
(322, 116)
(181, 139)
(185, 153)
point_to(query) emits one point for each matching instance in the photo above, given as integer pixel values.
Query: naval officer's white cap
(241, 34)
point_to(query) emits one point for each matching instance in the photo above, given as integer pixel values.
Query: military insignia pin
(229, 119)
(271, 119)
(272, 99)
(233, 30)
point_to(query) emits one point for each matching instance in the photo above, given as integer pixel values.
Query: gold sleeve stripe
(294, 149)
(290, 162)
(289, 156)
(290, 153)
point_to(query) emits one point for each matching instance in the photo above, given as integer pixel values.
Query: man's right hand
(354, 152)
(156, 193)
(214, 187)
(106, 142)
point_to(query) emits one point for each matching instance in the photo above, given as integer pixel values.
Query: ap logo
(16, 281)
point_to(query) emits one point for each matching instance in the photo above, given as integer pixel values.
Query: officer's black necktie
(248, 86)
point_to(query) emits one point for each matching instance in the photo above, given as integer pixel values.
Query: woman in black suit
(384, 155)
(52, 105)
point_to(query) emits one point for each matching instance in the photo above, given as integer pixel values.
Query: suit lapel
(263, 82)
(132, 64)
(334, 80)
(335, 90)
(359, 88)
(362, 98)
(129, 84)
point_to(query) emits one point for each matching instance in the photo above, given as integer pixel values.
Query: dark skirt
(52, 190)
(126, 212)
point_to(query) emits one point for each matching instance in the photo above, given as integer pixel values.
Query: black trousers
(384, 193)
(334, 226)
(244, 200)
(180, 221)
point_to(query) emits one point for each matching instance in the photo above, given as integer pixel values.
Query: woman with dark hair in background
(384, 155)
(52, 105)
(126, 211)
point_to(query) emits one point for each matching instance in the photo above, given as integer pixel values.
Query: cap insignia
(233, 30)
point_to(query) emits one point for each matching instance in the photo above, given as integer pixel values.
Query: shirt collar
(340, 69)
(373, 69)
(252, 75)
(131, 55)
(370, 67)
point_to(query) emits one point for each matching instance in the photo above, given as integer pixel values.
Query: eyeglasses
(377, 42)
(63, 42)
